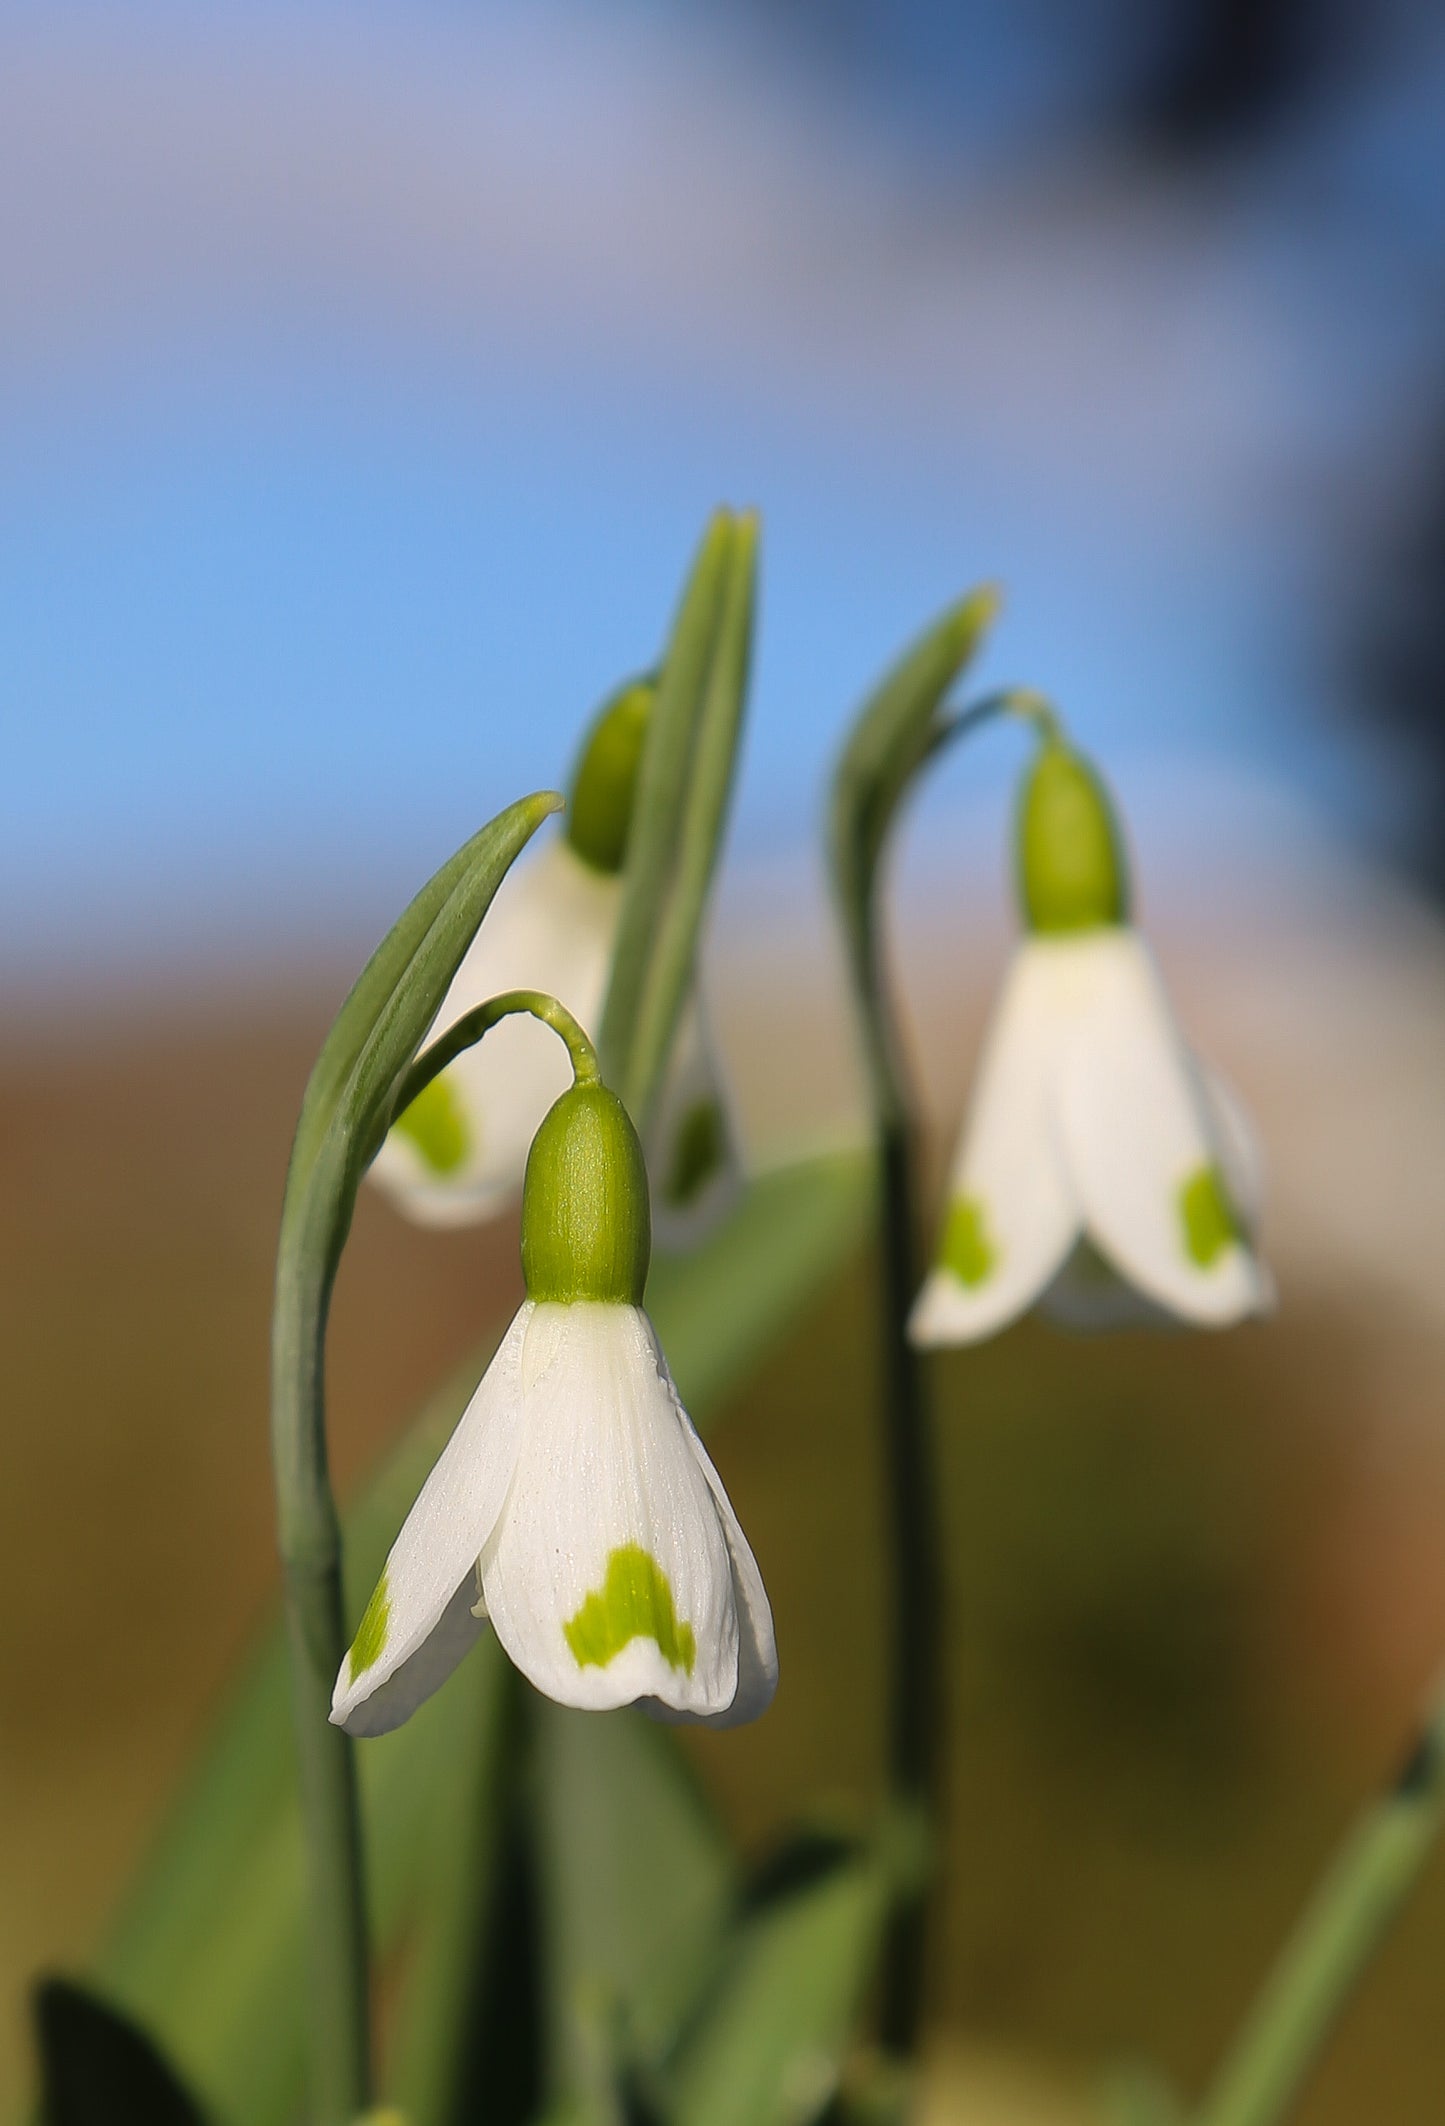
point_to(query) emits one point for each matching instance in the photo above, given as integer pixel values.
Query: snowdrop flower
(458, 1153)
(575, 1509)
(1102, 1170)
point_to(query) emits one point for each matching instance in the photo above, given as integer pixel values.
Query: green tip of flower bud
(599, 816)
(1072, 870)
(586, 1214)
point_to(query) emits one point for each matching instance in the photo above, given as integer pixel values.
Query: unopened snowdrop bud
(1073, 874)
(574, 1508)
(586, 1217)
(1102, 1170)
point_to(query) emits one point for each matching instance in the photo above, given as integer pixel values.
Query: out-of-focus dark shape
(1227, 71)
(1185, 78)
(1396, 667)
(98, 2069)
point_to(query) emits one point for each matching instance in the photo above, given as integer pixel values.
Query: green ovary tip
(436, 1128)
(966, 1249)
(1207, 1216)
(698, 1152)
(634, 1602)
(366, 1647)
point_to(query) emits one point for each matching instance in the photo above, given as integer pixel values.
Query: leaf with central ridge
(888, 742)
(768, 2044)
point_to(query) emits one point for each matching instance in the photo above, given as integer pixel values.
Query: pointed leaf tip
(100, 2069)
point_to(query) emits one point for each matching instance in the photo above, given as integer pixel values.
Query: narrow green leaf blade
(888, 738)
(638, 1883)
(721, 1308)
(704, 808)
(453, 1902)
(397, 994)
(99, 2069)
(653, 843)
(768, 2047)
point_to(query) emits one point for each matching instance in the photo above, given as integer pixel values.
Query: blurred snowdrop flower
(1102, 1170)
(457, 1155)
(574, 1508)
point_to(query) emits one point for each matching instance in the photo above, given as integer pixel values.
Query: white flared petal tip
(422, 1616)
(1236, 1288)
(980, 1282)
(947, 1312)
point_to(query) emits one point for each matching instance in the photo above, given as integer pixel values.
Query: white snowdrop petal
(692, 1151)
(1011, 1214)
(757, 1645)
(608, 1578)
(460, 1155)
(408, 1683)
(433, 1561)
(1142, 1148)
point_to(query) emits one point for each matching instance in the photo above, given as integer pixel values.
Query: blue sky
(367, 388)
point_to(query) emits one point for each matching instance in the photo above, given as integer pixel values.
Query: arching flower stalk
(1102, 1170)
(457, 1154)
(575, 1510)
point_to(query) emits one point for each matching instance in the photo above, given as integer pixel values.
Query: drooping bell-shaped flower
(1102, 1170)
(457, 1155)
(574, 1509)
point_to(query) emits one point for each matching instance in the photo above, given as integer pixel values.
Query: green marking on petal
(634, 1602)
(435, 1125)
(1208, 1216)
(366, 1647)
(966, 1249)
(698, 1151)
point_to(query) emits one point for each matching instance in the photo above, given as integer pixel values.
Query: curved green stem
(901, 726)
(1022, 703)
(466, 1031)
(310, 1545)
(1268, 2065)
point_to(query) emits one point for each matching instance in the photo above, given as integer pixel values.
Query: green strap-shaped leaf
(639, 1883)
(98, 2069)
(453, 1899)
(684, 784)
(399, 991)
(702, 816)
(769, 2041)
(893, 735)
